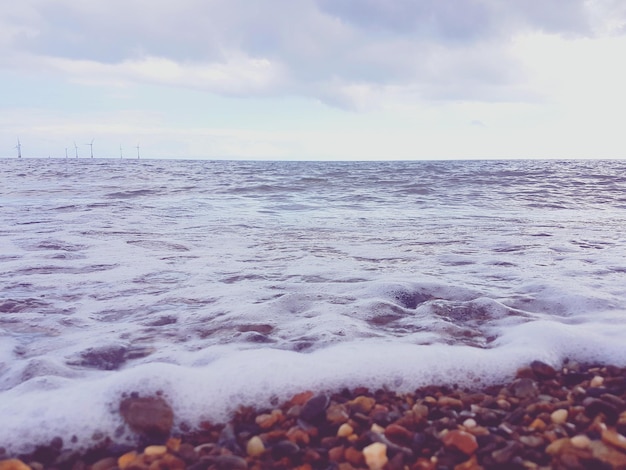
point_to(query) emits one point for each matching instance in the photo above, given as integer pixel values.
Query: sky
(313, 79)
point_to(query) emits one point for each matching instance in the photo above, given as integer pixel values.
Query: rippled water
(113, 268)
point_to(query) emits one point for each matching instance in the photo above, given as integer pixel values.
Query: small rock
(147, 415)
(398, 434)
(255, 446)
(506, 454)
(531, 441)
(608, 454)
(266, 421)
(13, 464)
(125, 460)
(230, 462)
(614, 438)
(354, 456)
(362, 404)
(559, 416)
(375, 455)
(451, 402)
(597, 381)
(284, 449)
(105, 464)
(470, 423)
(542, 370)
(314, 408)
(524, 388)
(345, 430)
(337, 414)
(580, 441)
(460, 440)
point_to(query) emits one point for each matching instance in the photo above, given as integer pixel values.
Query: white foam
(45, 407)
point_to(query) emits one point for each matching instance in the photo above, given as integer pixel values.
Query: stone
(104, 464)
(13, 464)
(362, 404)
(345, 430)
(450, 402)
(597, 381)
(524, 388)
(506, 454)
(559, 416)
(580, 441)
(542, 370)
(155, 451)
(608, 454)
(532, 441)
(125, 460)
(230, 462)
(151, 416)
(354, 456)
(470, 423)
(398, 434)
(615, 439)
(375, 456)
(461, 441)
(314, 408)
(337, 414)
(266, 421)
(255, 446)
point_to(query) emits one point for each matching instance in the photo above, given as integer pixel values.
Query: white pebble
(597, 381)
(375, 456)
(559, 416)
(469, 423)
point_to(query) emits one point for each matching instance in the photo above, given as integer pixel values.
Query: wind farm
(64, 152)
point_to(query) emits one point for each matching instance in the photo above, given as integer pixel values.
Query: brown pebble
(147, 415)
(125, 460)
(354, 456)
(345, 430)
(336, 454)
(104, 464)
(362, 404)
(460, 440)
(398, 434)
(614, 438)
(13, 464)
(337, 414)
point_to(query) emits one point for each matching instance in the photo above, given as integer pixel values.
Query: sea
(225, 283)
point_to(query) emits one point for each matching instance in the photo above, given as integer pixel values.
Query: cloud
(348, 53)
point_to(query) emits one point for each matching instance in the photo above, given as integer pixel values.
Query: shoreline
(571, 417)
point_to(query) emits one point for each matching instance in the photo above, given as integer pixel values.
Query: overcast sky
(314, 79)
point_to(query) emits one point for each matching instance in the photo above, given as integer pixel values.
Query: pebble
(375, 456)
(13, 464)
(345, 430)
(460, 440)
(147, 415)
(597, 381)
(559, 416)
(470, 423)
(580, 441)
(255, 446)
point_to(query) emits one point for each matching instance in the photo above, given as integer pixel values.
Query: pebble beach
(572, 417)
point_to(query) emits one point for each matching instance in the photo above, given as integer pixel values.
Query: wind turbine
(137, 151)
(65, 152)
(91, 145)
(19, 148)
(121, 156)
(76, 149)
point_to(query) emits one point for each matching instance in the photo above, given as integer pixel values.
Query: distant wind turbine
(91, 145)
(121, 152)
(76, 149)
(19, 148)
(65, 152)
(137, 151)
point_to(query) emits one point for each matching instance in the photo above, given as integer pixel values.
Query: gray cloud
(440, 50)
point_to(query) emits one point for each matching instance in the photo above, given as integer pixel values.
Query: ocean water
(226, 283)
